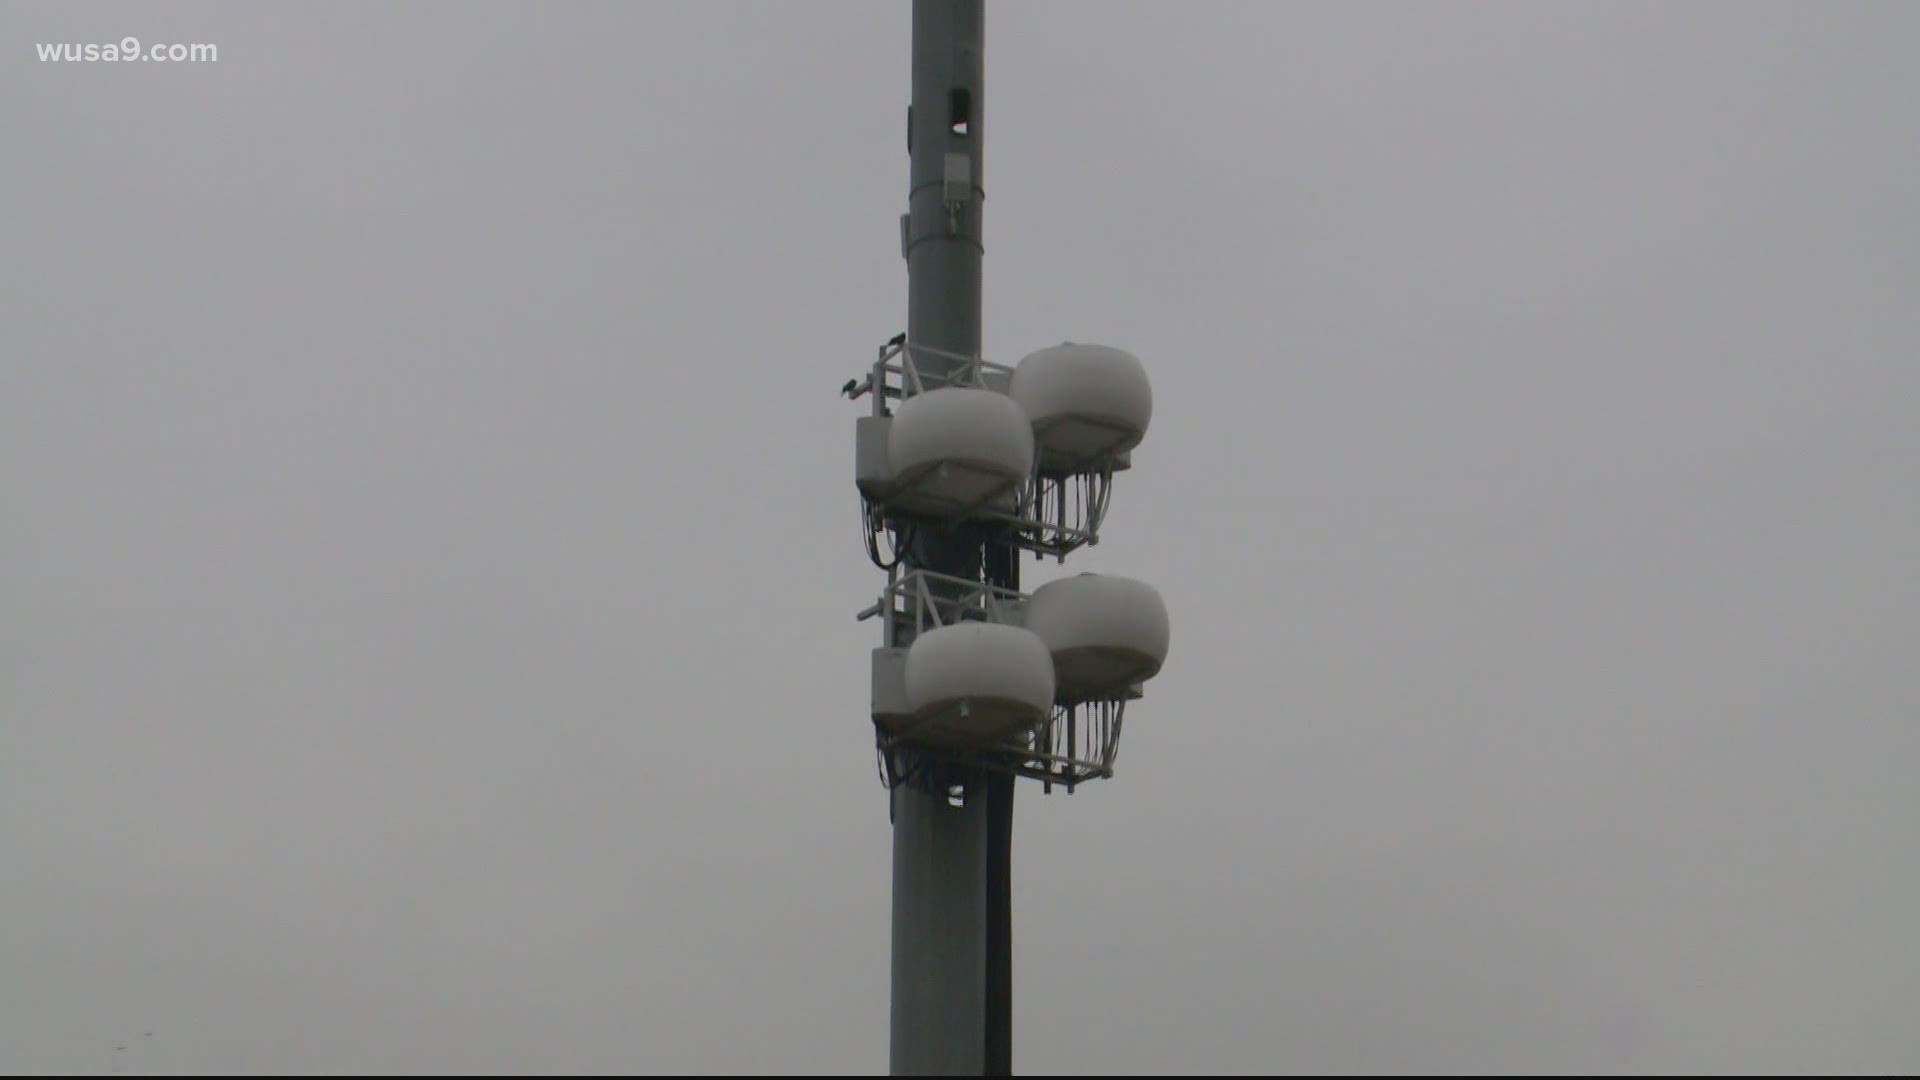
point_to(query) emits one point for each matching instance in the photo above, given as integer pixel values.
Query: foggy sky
(428, 546)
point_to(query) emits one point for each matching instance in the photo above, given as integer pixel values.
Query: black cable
(873, 541)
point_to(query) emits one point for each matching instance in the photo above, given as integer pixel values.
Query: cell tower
(963, 466)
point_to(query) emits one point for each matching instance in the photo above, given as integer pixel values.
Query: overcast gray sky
(428, 546)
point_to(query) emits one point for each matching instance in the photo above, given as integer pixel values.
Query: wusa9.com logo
(129, 49)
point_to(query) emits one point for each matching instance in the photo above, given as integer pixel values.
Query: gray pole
(951, 1010)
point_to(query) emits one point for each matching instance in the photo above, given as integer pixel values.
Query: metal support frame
(924, 600)
(1058, 511)
(1073, 745)
(900, 373)
(1077, 741)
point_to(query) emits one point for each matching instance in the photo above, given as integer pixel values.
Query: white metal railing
(921, 600)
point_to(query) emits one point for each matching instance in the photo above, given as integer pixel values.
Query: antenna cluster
(974, 671)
